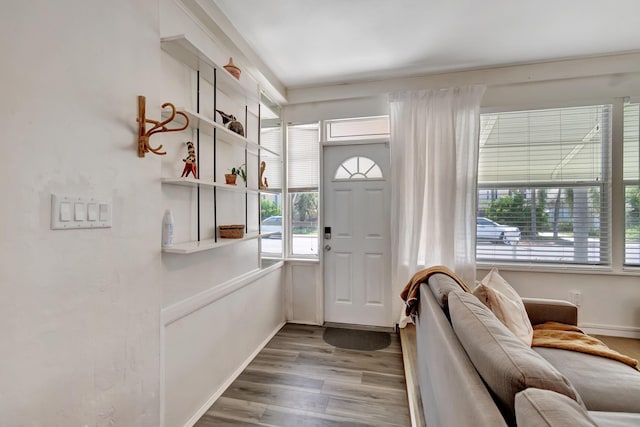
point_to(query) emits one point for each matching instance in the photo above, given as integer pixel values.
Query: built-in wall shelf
(204, 126)
(193, 182)
(189, 182)
(184, 50)
(198, 121)
(205, 245)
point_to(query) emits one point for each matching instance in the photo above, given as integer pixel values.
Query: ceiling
(310, 43)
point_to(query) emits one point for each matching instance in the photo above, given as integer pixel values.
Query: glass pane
(543, 146)
(271, 224)
(303, 156)
(342, 173)
(632, 225)
(351, 165)
(358, 168)
(364, 164)
(375, 172)
(358, 128)
(304, 223)
(631, 132)
(550, 225)
(542, 176)
(272, 174)
(631, 145)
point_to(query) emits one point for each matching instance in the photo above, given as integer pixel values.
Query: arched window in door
(358, 167)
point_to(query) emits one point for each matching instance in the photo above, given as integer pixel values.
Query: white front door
(357, 277)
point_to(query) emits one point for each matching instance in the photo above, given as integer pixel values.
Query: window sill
(604, 270)
(303, 260)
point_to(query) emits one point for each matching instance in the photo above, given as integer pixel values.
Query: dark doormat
(356, 339)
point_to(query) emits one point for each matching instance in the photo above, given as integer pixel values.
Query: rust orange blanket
(411, 292)
(568, 337)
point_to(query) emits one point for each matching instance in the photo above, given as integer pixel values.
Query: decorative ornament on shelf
(230, 122)
(230, 178)
(234, 231)
(190, 163)
(144, 134)
(263, 183)
(233, 69)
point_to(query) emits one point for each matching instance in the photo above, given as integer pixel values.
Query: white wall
(80, 309)
(304, 293)
(611, 301)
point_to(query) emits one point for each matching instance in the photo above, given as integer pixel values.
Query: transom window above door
(358, 167)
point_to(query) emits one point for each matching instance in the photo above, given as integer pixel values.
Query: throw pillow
(497, 294)
(504, 362)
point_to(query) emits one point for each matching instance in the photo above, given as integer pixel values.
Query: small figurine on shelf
(230, 122)
(190, 165)
(263, 183)
(233, 69)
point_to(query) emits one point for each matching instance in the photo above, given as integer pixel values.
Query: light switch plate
(73, 212)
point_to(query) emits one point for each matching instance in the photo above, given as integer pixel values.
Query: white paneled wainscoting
(208, 339)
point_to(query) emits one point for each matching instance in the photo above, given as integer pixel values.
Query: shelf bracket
(144, 134)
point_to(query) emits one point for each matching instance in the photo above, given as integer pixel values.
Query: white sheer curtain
(434, 162)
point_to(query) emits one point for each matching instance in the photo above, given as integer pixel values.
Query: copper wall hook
(144, 135)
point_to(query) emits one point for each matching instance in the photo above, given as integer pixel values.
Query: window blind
(631, 173)
(303, 157)
(543, 186)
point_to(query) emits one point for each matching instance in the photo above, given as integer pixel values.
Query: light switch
(65, 212)
(104, 212)
(92, 212)
(73, 212)
(79, 212)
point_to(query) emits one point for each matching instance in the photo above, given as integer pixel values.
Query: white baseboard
(611, 330)
(200, 412)
(304, 322)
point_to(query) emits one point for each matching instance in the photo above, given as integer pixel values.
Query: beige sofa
(474, 372)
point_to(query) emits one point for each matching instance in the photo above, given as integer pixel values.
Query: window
(358, 128)
(358, 168)
(302, 179)
(631, 171)
(543, 186)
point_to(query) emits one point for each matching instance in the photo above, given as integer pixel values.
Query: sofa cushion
(441, 285)
(604, 384)
(541, 310)
(451, 391)
(615, 419)
(497, 294)
(546, 408)
(504, 362)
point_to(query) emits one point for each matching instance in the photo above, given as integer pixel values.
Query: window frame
(605, 186)
(628, 182)
(288, 218)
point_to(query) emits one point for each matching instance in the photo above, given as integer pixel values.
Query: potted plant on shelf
(231, 177)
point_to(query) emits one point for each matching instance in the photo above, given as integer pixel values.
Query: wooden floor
(298, 380)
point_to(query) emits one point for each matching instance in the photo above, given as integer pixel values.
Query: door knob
(327, 247)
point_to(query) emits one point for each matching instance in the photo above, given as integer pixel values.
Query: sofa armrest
(542, 310)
